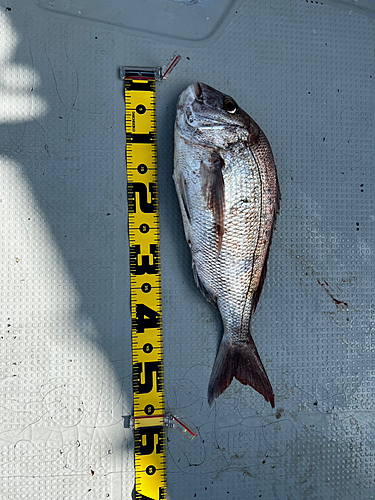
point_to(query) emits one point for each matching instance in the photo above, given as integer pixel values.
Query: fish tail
(241, 360)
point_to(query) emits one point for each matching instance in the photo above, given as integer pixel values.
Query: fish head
(208, 117)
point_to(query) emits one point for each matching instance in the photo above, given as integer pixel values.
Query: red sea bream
(229, 196)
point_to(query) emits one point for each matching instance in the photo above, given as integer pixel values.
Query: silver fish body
(227, 187)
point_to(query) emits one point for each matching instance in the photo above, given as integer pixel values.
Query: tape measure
(146, 303)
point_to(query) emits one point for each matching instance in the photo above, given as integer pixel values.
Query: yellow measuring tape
(146, 308)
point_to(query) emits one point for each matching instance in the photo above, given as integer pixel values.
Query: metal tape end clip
(157, 74)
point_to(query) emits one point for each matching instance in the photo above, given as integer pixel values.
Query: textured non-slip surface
(305, 72)
(167, 19)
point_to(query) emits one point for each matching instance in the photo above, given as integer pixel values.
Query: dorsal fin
(264, 270)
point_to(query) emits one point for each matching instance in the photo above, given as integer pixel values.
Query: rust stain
(325, 286)
(279, 412)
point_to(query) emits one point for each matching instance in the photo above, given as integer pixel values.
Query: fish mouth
(186, 99)
(200, 107)
(197, 87)
(207, 97)
(194, 92)
(201, 92)
(205, 94)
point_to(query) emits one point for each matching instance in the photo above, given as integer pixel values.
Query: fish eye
(230, 106)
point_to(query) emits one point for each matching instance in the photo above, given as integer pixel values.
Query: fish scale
(228, 191)
(241, 184)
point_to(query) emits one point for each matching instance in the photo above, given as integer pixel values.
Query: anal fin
(206, 293)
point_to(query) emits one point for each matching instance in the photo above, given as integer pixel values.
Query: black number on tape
(162, 495)
(140, 188)
(145, 267)
(149, 138)
(145, 317)
(145, 440)
(150, 368)
(136, 85)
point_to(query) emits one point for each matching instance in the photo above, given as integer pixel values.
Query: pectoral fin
(213, 190)
(181, 189)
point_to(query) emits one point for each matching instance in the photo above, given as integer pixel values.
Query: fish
(229, 195)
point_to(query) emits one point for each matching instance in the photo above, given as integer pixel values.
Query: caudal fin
(240, 360)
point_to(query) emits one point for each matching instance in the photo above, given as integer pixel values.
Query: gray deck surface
(305, 72)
